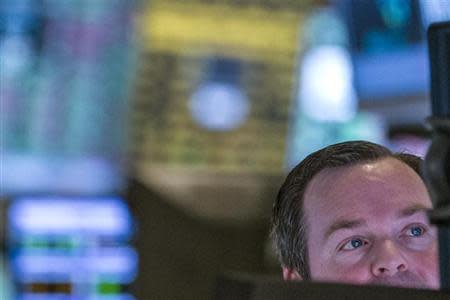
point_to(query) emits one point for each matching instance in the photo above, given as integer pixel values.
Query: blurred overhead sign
(212, 99)
(186, 28)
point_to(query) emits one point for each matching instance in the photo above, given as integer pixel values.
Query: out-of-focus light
(52, 296)
(219, 102)
(16, 53)
(395, 14)
(326, 89)
(38, 173)
(219, 106)
(118, 264)
(54, 216)
(434, 11)
(44, 296)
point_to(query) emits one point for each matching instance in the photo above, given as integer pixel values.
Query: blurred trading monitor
(212, 100)
(71, 247)
(64, 76)
(388, 46)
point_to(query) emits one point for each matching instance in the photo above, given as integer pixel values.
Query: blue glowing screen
(71, 247)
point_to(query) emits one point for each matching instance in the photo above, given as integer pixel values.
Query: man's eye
(415, 231)
(353, 244)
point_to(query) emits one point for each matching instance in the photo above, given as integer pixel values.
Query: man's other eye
(415, 231)
(353, 244)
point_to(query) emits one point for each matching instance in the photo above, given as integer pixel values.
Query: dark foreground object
(246, 287)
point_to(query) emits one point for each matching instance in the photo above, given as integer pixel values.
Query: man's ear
(289, 274)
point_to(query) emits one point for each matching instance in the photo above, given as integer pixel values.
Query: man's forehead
(380, 186)
(365, 175)
(382, 167)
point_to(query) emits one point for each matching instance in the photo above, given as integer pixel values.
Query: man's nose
(388, 259)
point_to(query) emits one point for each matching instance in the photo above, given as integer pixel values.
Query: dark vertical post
(437, 162)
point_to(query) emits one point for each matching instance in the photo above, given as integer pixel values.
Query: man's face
(367, 225)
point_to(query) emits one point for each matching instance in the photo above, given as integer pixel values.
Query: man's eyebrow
(409, 211)
(343, 224)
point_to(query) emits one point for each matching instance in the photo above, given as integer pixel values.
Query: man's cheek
(346, 272)
(427, 266)
(351, 276)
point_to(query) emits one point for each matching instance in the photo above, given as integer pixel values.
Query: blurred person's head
(355, 212)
